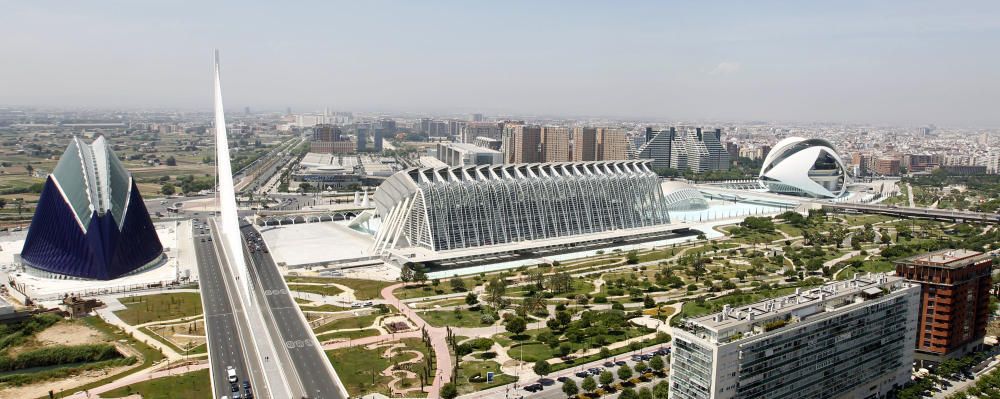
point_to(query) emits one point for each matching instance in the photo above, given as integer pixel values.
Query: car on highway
(231, 375)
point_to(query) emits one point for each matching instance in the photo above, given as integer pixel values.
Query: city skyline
(893, 63)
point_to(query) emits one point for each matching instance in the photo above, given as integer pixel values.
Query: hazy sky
(905, 62)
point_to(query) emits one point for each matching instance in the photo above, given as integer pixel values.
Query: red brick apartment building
(955, 301)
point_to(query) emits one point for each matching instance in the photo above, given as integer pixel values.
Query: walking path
(144, 375)
(438, 338)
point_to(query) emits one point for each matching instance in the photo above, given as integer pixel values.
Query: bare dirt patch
(70, 334)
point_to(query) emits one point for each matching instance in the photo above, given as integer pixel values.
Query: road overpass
(914, 212)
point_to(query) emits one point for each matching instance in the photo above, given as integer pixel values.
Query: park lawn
(427, 289)
(474, 368)
(531, 352)
(327, 290)
(695, 309)
(349, 322)
(159, 307)
(792, 231)
(861, 220)
(195, 384)
(195, 350)
(442, 318)
(581, 286)
(363, 289)
(326, 307)
(350, 334)
(872, 266)
(358, 367)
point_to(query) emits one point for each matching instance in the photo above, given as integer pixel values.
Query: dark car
(609, 364)
(620, 363)
(534, 387)
(235, 387)
(582, 374)
(248, 394)
(246, 384)
(562, 379)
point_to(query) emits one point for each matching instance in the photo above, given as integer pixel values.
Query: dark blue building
(91, 222)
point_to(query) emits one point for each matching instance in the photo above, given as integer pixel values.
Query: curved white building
(680, 196)
(805, 167)
(461, 207)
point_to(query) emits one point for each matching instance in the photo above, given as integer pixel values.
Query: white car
(231, 373)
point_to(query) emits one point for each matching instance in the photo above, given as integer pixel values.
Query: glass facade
(473, 206)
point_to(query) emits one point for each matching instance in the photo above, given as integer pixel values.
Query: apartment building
(845, 339)
(954, 301)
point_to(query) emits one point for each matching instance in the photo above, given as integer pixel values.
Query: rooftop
(732, 324)
(466, 147)
(950, 258)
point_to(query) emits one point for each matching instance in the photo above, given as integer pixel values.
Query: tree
(628, 393)
(661, 390)
(542, 368)
(3, 203)
(171, 161)
(167, 189)
(406, 274)
(565, 348)
(645, 393)
(605, 352)
(648, 302)
(495, 292)
(606, 377)
(656, 363)
(19, 204)
(589, 384)
(632, 257)
(449, 391)
(471, 299)
(457, 284)
(640, 366)
(569, 387)
(516, 325)
(624, 372)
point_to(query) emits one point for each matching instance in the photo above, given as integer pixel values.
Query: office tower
(955, 301)
(465, 154)
(246, 110)
(522, 144)
(845, 339)
(361, 132)
(555, 144)
(377, 139)
(476, 118)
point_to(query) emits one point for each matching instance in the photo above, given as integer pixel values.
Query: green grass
(322, 308)
(350, 322)
(789, 229)
(195, 384)
(860, 220)
(469, 369)
(873, 266)
(328, 290)
(352, 334)
(195, 350)
(428, 289)
(159, 307)
(441, 318)
(531, 352)
(358, 367)
(363, 289)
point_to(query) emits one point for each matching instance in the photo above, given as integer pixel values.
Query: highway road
(308, 362)
(224, 343)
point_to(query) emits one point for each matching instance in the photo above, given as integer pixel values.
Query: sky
(896, 62)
